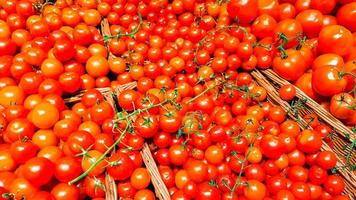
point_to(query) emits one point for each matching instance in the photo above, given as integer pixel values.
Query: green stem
(128, 118)
(237, 183)
(102, 157)
(138, 111)
(284, 39)
(202, 93)
(131, 34)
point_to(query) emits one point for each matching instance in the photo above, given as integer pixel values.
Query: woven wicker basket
(341, 143)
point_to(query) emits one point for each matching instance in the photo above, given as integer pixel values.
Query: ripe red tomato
(38, 171)
(345, 16)
(292, 67)
(335, 39)
(327, 81)
(120, 166)
(309, 141)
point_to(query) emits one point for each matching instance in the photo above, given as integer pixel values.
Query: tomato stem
(205, 91)
(101, 158)
(128, 118)
(238, 180)
(131, 34)
(284, 39)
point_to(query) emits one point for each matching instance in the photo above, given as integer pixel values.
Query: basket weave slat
(273, 96)
(161, 189)
(111, 191)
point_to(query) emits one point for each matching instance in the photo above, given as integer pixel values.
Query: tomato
(325, 7)
(21, 151)
(126, 190)
(120, 166)
(11, 95)
(326, 81)
(146, 125)
(51, 68)
(144, 194)
(311, 21)
(67, 168)
(97, 66)
(126, 99)
(275, 184)
(7, 162)
(177, 154)
(244, 11)
(42, 195)
(345, 16)
(63, 191)
(19, 128)
(44, 138)
(52, 153)
(290, 68)
(22, 188)
(334, 185)
(63, 50)
(309, 141)
(300, 190)
(44, 115)
(7, 47)
(197, 170)
(297, 173)
(255, 190)
(140, 178)
(207, 192)
(101, 111)
(94, 186)
(38, 171)
(287, 92)
(170, 121)
(330, 59)
(340, 105)
(6, 178)
(270, 146)
(284, 195)
(91, 157)
(335, 39)
(291, 28)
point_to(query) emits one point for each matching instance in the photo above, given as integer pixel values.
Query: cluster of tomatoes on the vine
(212, 131)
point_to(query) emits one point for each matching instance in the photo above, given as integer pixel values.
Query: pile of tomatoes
(210, 127)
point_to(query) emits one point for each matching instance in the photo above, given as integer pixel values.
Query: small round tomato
(44, 115)
(140, 178)
(255, 190)
(67, 168)
(309, 141)
(120, 166)
(91, 157)
(334, 185)
(287, 92)
(177, 154)
(63, 191)
(38, 171)
(207, 192)
(197, 170)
